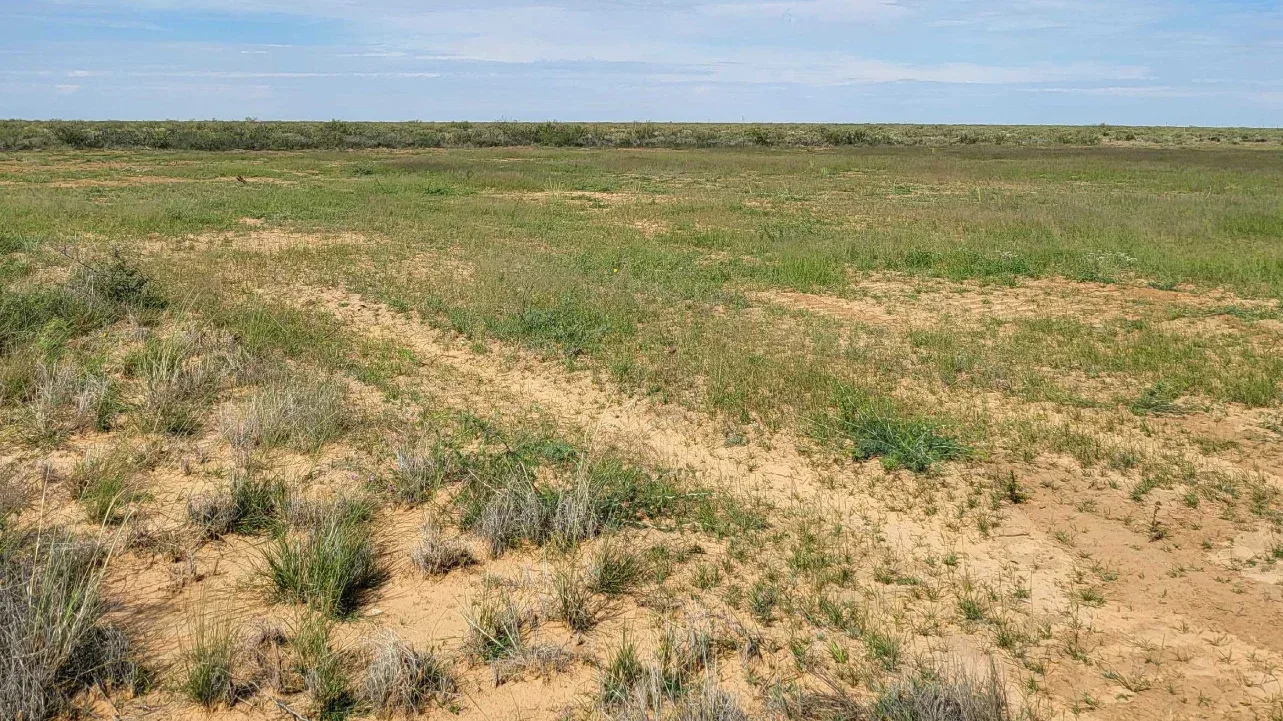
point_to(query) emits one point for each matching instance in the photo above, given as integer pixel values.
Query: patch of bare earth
(890, 299)
(264, 240)
(589, 197)
(650, 228)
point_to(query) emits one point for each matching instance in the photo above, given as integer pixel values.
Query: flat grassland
(982, 431)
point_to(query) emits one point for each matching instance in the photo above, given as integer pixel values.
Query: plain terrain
(738, 432)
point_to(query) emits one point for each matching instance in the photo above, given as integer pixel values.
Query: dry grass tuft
(438, 554)
(286, 410)
(402, 679)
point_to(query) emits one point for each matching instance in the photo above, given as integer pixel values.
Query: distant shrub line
(341, 135)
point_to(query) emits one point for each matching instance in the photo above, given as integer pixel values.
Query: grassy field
(721, 433)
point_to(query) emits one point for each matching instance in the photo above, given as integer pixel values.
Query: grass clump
(876, 430)
(438, 554)
(405, 680)
(419, 472)
(249, 505)
(680, 684)
(614, 569)
(328, 567)
(181, 376)
(504, 503)
(572, 599)
(104, 483)
(496, 627)
(323, 669)
(943, 695)
(286, 410)
(54, 642)
(64, 397)
(209, 665)
(619, 678)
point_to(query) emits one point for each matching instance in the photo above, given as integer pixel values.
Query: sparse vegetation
(641, 378)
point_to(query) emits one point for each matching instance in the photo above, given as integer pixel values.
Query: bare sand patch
(650, 228)
(897, 299)
(266, 240)
(589, 197)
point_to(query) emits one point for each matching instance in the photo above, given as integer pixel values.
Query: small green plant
(971, 609)
(763, 596)
(883, 647)
(1011, 490)
(1158, 399)
(252, 504)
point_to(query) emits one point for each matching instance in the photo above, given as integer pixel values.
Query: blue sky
(1163, 62)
